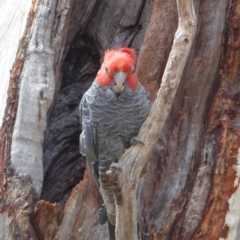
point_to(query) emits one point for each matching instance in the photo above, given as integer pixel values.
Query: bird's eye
(106, 69)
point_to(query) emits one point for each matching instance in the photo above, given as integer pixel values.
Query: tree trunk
(53, 49)
(133, 161)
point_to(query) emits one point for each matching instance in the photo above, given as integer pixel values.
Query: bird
(112, 112)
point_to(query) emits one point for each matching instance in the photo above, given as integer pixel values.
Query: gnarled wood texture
(135, 158)
(191, 188)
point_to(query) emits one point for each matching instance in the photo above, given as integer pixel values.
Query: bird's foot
(135, 141)
(102, 215)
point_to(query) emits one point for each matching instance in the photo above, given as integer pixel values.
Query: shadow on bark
(63, 165)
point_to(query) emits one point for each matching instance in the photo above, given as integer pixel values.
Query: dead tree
(50, 53)
(127, 173)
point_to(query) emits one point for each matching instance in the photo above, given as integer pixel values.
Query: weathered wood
(10, 115)
(81, 213)
(13, 22)
(30, 95)
(47, 219)
(16, 193)
(157, 45)
(221, 219)
(191, 189)
(168, 205)
(136, 157)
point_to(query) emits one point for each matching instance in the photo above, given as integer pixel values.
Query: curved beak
(119, 79)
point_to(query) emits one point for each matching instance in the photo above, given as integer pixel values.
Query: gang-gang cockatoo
(112, 112)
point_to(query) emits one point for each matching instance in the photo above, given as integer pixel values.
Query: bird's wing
(88, 139)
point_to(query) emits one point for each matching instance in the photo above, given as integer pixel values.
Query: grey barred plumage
(108, 124)
(111, 112)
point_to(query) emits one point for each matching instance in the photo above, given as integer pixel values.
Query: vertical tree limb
(135, 158)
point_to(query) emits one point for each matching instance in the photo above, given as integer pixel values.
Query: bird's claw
(102, 215)
(135, 141)
(116, 166)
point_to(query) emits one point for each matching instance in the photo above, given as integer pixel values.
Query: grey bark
(133, 161)
(192, 185)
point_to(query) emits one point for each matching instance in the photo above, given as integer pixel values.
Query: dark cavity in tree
(63, 165)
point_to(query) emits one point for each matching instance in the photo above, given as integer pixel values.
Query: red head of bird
(117, 70)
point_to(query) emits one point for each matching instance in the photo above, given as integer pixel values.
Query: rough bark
(13, 23)
(30, 95)
(179, 147)
(191, 189)
(152, 60)
(135, 158)
(221, 215)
